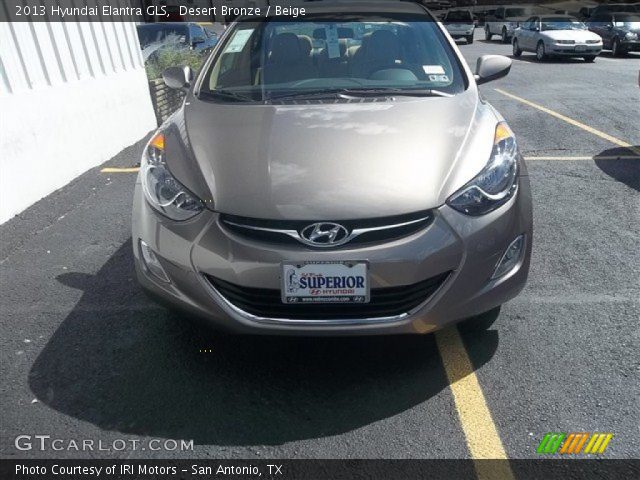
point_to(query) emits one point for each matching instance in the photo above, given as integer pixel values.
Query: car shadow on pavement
(124, 364)
(531, 58)
(622, 164)
(495, 41)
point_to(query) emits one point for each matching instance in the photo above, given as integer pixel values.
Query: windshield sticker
(239, 40)
(333, 46)
(431, 69)
(439, 78)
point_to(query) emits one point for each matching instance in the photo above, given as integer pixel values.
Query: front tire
(541, 55)
(589, 58)
(487, 33)
(504, 35)
(616, 49)
(517, 51)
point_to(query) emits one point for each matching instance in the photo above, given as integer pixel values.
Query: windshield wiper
(361, 92)
(308, 94)
(225, 94)
(406, 92)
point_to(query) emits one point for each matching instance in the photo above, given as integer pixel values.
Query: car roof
(558, 15)
(166, 24)
(378, 6)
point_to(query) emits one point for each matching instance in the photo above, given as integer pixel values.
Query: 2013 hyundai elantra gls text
(334, 174)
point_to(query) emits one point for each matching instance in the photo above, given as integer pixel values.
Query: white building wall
(72, 95)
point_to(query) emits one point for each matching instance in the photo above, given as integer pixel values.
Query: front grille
(384, 302)
(376, 229)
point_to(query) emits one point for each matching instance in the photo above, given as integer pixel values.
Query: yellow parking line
(571, 121)
(480, 432)
(120, 170)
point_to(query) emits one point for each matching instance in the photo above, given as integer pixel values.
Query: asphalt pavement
(85, 355)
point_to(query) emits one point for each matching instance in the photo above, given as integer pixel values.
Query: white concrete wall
(72, 95)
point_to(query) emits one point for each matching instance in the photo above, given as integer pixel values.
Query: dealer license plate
(325, 282)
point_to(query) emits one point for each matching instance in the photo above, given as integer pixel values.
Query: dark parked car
(585, 13)
(620, 32)
(155, 36)
(616, 8)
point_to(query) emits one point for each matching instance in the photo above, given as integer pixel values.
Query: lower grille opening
(384, 302)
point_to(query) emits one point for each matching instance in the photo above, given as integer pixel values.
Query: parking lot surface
(85, 355)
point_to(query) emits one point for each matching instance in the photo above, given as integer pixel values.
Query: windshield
(149, 34)
(268, 59)
(459, 17)
(515, 12)
(630, 21)
(561, 23)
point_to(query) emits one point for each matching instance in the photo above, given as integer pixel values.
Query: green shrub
(172, 57)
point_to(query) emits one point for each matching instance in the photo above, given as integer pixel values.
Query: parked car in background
(156, 36)
(459, 24)
(584, 13)
(482, 12)
(504, 21)
(620, 32)
(212, 29)
(561, 36)
(616, 8)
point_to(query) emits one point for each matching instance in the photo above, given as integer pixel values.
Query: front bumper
(468, 247)
(574, 50)
(460, 33)
(630, 45)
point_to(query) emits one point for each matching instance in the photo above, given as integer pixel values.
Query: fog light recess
(510, 258)
(152, 263)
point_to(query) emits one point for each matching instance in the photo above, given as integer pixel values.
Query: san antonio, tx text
(142, 469)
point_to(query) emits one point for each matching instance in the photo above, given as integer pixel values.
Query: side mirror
(491, 67)
(609, 26)
(536, 29)
(178, 77)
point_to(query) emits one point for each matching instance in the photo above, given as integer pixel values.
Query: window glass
(264, 59)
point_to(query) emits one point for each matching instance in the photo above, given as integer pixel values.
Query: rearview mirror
(491, 67)
(178, 77)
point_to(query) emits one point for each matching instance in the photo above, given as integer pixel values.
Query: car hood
(335, 161)
(577, 35)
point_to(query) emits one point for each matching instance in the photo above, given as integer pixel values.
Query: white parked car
(459, 24)
(556, 36)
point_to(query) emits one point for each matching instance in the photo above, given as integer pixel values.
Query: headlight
(631, 36)
(496, 183)
(161, 189)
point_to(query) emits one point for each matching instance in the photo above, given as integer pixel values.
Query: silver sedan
(556, 36)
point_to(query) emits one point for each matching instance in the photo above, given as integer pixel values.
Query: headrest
(305, 44)
(383, 44)
(285, 48)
